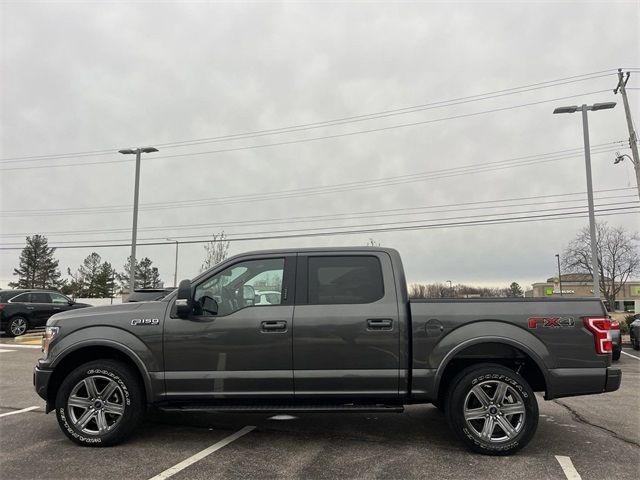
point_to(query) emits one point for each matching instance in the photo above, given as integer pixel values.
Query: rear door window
(344, 280)
(40, 297)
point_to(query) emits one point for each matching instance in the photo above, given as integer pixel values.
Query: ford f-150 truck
(342, 337)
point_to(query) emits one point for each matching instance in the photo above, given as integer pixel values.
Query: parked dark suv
(21, 310)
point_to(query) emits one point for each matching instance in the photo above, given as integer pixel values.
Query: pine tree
(105, 281)
(87, 274)
(37, 267)
(146, 276)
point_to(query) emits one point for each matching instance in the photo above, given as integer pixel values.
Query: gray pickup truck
(335, 333)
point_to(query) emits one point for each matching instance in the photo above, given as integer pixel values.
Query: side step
(349, 407)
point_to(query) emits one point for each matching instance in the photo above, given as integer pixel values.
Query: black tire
(89, 383)
(17, 326)
(616, 355)
(485, 380)
(636, 344)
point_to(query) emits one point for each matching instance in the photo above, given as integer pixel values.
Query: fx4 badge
(554, 322)
(145, 321)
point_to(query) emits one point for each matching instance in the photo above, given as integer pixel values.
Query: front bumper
(571, 382)
(41, 380)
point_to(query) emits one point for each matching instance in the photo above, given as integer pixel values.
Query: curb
(29, 339)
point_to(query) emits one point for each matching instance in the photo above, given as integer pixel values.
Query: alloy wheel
(96, 405)
(494, 411)
(18, 326)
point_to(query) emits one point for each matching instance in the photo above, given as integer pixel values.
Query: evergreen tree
(515, 290)
(146, 276)
(105, 281)
(87, 275)
(37, 267)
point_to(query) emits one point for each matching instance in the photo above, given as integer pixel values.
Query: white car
(268, 297)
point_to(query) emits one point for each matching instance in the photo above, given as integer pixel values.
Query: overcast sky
(101, 76)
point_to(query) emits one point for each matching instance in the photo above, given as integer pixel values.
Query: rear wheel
(616, 355)
(492, 409)
(17, 326)
(636, 343)
(100, 403)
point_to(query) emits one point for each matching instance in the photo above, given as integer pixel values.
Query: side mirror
(184, 302)
(71, 302)
(248, 294)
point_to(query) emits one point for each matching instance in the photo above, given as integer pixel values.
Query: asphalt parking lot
(593, 437)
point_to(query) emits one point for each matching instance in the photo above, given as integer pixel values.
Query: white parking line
(13, 345)
(200, 455)
(28, 409)
(629, 355)
(3, 351)
(567, 467)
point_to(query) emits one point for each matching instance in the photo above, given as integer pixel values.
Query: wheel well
(84, 355)
(510, 357)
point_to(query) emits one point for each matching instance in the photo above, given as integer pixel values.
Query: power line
(396, 212)
(310, 191)
(338, 121)
(528, 218)
(310, 139)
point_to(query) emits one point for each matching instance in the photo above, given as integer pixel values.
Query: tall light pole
(450, 288)
(587, 159)
(134, 234)
(559, 274)
(175, 272)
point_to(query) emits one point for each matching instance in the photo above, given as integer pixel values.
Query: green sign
(548, 291)
(637, 291)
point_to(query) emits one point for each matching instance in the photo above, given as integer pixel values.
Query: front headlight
(49, 334)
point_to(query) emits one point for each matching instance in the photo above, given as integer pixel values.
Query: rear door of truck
(345, 326)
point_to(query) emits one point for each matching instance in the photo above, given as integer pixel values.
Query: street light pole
(587, 159)
(175, 272)
(592, 215)
(559, 274)
(134, 231)
(450, 288)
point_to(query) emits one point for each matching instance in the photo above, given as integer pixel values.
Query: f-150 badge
(553, 322)
(145, 321)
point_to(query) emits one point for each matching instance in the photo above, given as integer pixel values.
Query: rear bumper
(570, 382)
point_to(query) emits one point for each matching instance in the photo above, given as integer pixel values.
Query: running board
(355, 408)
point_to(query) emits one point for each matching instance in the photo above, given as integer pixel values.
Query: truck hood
(110, 314)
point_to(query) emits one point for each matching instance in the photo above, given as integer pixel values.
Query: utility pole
(633, 139)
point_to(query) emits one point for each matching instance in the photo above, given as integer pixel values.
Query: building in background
(580, 285)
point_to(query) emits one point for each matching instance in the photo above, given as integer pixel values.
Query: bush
(625, 326)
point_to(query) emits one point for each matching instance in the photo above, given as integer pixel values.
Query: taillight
(615, 325)
(600, 328)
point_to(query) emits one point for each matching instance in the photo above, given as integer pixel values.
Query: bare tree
(216, 250)
(372, 243)
(618, 257)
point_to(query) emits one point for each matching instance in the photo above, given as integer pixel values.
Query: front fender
(118, 339)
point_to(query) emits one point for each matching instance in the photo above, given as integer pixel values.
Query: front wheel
(492, 409)
(100, 403)
(17, 326)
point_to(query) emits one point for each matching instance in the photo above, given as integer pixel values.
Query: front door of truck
(346, 339)
(242, 350)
